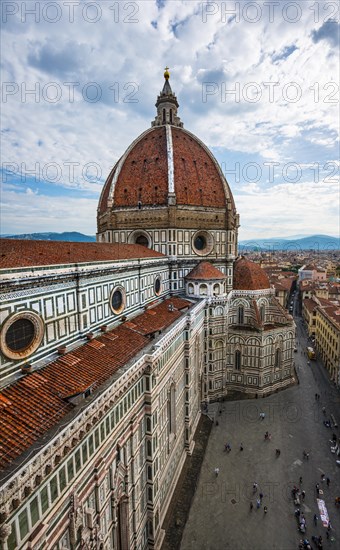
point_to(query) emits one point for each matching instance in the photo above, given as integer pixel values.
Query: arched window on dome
(203, 290)
(216, 289)
(237, 360)
(240, 315)
(190, 288)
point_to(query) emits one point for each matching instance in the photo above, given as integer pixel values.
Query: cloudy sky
(256, 81)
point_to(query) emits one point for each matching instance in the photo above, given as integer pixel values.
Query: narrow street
(220, 515)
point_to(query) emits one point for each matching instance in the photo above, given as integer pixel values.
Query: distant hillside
(69, 236)
(314, 242)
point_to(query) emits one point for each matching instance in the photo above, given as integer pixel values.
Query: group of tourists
(298, 496)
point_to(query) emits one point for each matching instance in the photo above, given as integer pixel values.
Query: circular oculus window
(117, 300)
(157, 286)
(140, 237)
(21, 334)
(202, 243)
(142, 240)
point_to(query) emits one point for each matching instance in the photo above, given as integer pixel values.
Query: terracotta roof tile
(249, 276)
(154, 320)
(309, 304)
(23, 253)
(205, 270)
(197, 179)
(143, 174)
(36, 403)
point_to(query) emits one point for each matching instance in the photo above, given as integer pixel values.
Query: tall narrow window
(164, 119)
(240, 315)
(262, 313)
(237, 360)
(277, 358)
(170, 116)
(172, 410)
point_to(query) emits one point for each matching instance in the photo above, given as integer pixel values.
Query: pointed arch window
(170, 116)
(240, 316)
(237, 360)
(164, 117)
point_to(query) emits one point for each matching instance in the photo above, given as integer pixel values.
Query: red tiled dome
(249, 276)
(164, 160)
(205, 270)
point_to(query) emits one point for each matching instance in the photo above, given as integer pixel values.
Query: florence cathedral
(111, 350)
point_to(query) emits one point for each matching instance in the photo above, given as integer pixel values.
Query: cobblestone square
(220, 515)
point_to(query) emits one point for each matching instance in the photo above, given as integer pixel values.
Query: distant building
(327, 339)
(312, 273)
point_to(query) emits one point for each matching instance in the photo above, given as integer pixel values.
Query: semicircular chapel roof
(205, 271)
(249, 276)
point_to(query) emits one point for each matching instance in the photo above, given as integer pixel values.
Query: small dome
(249, 276)
(205, 271)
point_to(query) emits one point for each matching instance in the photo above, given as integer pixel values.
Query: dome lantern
(167, 105)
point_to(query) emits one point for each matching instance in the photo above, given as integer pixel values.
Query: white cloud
(123, 47)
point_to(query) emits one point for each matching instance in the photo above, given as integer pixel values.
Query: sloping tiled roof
(284, 283)
(309, 304)
(158, 318)
(249, 276)
(37, 402)
(205, 270)
(23, 253)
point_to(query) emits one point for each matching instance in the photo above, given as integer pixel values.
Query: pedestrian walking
(255, 487)
(328, 481)
(241, 446)
(317, 487)
(300, 480)
(251, 506)
(315, 519)
(322, 477)
(261, 496)
(303, 494)
(258, 503)
(217, 471)
(265, 509)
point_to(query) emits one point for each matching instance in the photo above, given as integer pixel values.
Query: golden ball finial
(166, 73)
